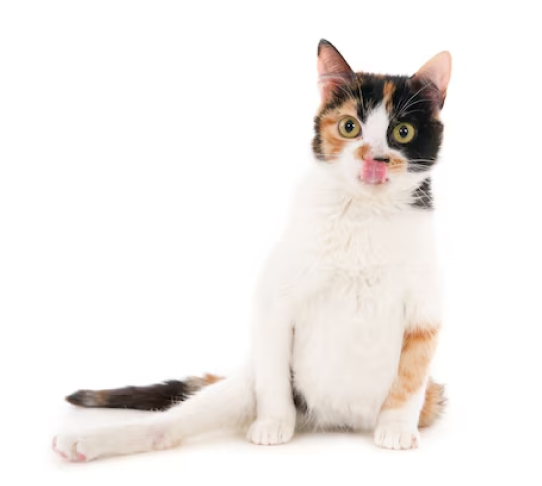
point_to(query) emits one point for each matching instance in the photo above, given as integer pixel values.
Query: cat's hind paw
(113, 441)
(72, 448)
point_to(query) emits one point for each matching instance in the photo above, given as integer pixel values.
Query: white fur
(354, 269)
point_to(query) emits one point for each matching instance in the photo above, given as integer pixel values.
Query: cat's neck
(328, 193)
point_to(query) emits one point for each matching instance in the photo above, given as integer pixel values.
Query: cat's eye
(349, 127)
(404, 132)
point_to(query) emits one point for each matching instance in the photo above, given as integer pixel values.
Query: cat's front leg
(283, 282)
(276, 414)
(397, 425)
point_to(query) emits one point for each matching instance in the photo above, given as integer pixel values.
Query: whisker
(402, 107)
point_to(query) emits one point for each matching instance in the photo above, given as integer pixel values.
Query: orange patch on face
(362, 152)
(397, 164)
(418, 349)
(332, 142)
(332, 146)
(389, 89)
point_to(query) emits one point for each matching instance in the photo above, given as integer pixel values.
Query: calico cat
(347, 312)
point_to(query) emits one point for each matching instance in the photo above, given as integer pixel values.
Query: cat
(347, 311)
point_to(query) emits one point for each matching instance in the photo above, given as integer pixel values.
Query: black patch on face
(414, 101)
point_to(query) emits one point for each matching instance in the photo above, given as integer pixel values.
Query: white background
(148, 151)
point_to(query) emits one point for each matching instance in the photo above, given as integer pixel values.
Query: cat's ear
(333, 70)
(438, 71)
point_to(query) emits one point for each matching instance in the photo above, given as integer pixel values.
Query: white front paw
(396, 437)
(271, 431)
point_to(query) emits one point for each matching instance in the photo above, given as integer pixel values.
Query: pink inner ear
(328, 84)
(333, 70)
(437, 70)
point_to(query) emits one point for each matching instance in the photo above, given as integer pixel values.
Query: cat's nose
(382, 159)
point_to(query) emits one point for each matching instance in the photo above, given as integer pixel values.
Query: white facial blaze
(351, 168)
(375, 131)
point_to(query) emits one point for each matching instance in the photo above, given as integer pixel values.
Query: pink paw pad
(78, 456)
(60, 453)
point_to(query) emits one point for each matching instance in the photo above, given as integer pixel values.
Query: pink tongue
(374, 172)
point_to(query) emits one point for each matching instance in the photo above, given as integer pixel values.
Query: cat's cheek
(350, 169)
(333, 146)
(397, 165)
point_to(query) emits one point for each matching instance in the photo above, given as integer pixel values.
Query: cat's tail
(434, 404)
(160, 396)
(229, 404)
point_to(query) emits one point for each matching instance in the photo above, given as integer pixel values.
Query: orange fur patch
(332, 143)
(397, 164)
(418, 350)
(209, 379)
(196, 383)
(434, 404)
(362, 151)
(389, 89)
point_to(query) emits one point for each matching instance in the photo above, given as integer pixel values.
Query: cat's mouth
(373, 172)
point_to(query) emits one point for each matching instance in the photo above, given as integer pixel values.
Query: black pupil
(349, 126)
(403, 132)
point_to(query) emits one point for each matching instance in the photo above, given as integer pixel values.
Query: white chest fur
(348, 328)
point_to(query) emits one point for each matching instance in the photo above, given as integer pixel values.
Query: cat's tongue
(374, 172)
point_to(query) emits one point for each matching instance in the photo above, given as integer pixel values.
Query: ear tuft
(323, 43)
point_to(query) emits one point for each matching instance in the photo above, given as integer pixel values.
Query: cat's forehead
(401, 96)
(379, 89)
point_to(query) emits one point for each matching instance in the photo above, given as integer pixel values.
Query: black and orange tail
(153, 397)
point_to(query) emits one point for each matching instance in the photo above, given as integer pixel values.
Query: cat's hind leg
(413, 401)
(228, 404)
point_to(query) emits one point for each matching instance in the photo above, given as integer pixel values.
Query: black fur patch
(154, 397)
(300, 402)
(414, 102)
(423, 196)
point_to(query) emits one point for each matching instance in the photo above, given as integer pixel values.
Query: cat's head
(381, 133)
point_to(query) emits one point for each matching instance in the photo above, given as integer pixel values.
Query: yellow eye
(349, 127)
(404, 132)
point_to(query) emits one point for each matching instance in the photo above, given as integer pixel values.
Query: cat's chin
(371, 183)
